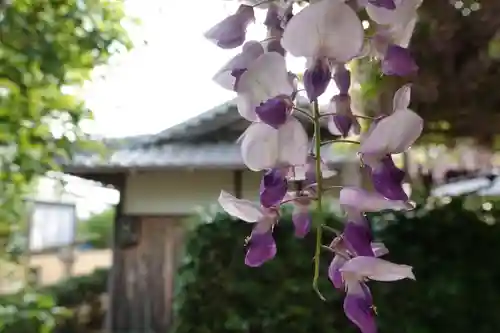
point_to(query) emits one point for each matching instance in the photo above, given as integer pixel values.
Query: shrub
(56, 308)
(452, 251)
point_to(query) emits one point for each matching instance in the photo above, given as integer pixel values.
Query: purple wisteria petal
(275, 46)
(273, 187)
(343, 124)
(342, 78)
(236, 73)
(388, 179)
(367, 293)
(231, 32)
(308, 171)
(272, 19)
(287, 15)
(359, 309)
(387, 4)
(274, 111)
(334, 273)
(398, 61)
(302, 223)
(310, 175)
(358, 238)
(317, 79)
(261, 248)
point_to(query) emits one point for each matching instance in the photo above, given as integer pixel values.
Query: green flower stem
(324, 143)
(354, 115)
(319, 179)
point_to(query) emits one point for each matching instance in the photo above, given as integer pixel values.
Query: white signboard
(52, 225)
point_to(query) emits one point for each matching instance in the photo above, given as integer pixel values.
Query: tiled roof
(179, 155)
(171, 148)
(210, 120)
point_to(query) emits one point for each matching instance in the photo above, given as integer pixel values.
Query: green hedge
(452, 250)
(59, 305)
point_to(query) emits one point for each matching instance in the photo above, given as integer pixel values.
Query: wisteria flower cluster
(329, 34)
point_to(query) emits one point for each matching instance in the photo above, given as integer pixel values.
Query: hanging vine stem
(354, 115)
(324, 143)
(325, 189)
(304, 113)
(308, 115)
(339, 253)
(319, 228)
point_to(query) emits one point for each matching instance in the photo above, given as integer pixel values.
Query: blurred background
(115, 144)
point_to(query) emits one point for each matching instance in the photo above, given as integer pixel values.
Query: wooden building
(162, 179)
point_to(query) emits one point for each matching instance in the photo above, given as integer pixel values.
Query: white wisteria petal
(393, 134)
(402, 98)
(266, 77)
(265, 4)
(293, 143)
(243, 209)
(332, 127)
(353, 198)
(259, 147)
(327, 28)
(401, 35)
(251, 50)
(405, 10)
(310, 61)
(364, 135)
(289, 196)
(298, 172)
(327, 172)
(264, 225)
(367, 50)
(246, 105)
(379, 249)
(377, 269)
(264, 147)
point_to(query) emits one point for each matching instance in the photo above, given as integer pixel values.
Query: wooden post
(238, 183)
(145, 249)
(113, 279)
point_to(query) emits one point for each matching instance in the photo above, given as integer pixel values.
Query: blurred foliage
(48, 50)
(71, 306)
(97, 230)
(451, 248)
(33, 312)
(457, 50)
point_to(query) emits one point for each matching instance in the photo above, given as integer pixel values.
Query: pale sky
(158, 85)
(163, 83)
